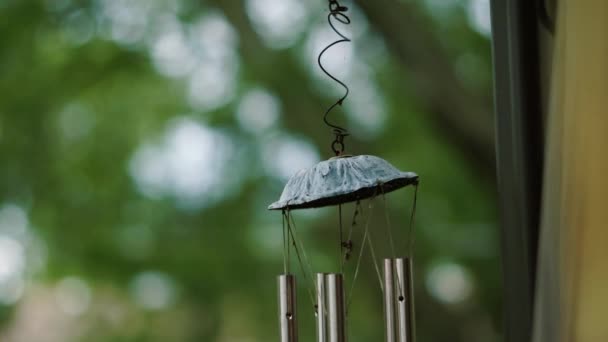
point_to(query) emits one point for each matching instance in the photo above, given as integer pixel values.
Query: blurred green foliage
(141, 141)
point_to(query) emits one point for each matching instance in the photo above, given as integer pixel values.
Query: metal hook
(334, 7)
(338, 144)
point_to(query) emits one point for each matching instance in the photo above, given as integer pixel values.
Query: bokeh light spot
(13, 220)
(366, 108)
(79, 27)
(125, 21)
(76, 121)
(213, 37)
(11, 290)
(285, 155)
(171, 53)
(153, 290)
(12, 267)
(213, 84)
(478, 12)
(279, 22)
(12, 258)
(449, 283)
(73, 295)
(258, 111)
(189, 164)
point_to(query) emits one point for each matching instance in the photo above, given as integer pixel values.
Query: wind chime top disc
(342, 180)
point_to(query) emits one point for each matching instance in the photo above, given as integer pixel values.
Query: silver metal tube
(404, 300)
(321, 308)
(389, 302)
(288, 322)
(335, 308)
(409, 274)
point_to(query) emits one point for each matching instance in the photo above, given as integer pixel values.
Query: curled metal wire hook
(336, 13)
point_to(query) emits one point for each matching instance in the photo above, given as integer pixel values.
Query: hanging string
(341, 240)
(352, 286)
(411, 225)
(336, 14)
(348, 244)
(285, 246)
(295, 232)
(366, 239)
(389, 229)
(302, 258)
(371, 248)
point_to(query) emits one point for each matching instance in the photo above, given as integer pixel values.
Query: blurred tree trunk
(465, 116)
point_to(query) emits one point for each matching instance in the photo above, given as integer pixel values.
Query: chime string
(389, 229)
(302, 258)
(341, 240)
(370, 242)
(285, 246)
(352, 287)
(411, 224)
(366, 239)
(349, 243)
(295, 232)
(373, 252)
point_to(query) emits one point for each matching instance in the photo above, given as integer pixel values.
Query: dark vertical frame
(519, 150)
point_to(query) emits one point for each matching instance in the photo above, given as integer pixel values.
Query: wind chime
(335, 182)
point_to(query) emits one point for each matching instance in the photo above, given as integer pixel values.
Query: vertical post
(335, 307)
(405, 300)
(287, 308)
(321, 308)
(389, 301)
(520, 131)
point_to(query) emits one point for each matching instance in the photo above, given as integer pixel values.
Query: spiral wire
(337, 13)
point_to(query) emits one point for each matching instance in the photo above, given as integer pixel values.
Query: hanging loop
(338, 144)
(337, 11)
(335, 7)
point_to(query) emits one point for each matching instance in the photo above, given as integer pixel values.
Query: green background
(142, 140)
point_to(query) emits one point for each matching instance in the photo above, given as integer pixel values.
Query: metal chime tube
(405, 299)
(321, 309)
(335, 308)
(399, 300)
(331, 322)
(389, 302)
(288, 322)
